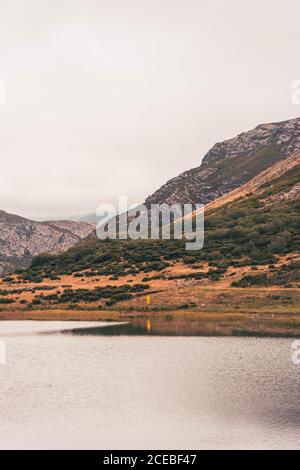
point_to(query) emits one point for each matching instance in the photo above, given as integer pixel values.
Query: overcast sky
(109, 97)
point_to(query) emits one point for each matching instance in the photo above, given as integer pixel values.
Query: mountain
(78, 228)
(253, 227)
(245, 281)
(90, 218)
(21, 239)
(232, 163)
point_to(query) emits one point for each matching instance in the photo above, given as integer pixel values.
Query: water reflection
(143, 327)
(171, 325)
(131, 329)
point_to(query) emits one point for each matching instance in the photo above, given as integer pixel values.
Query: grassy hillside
(245, 281)
(255, 230)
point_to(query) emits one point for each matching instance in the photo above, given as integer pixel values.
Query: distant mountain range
(90, 218)
(21, 239)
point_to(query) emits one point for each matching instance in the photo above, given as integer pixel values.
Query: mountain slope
(232, 163)
(257, 225)
(79, 228)
(260, 182)
(21, 239)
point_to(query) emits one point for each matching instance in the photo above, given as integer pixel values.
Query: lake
(66, 385)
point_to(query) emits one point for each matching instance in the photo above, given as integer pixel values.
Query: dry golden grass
(177, 306)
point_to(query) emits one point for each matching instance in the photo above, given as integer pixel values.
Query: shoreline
(174, 322)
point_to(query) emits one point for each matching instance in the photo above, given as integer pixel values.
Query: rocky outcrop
(232, 163)
(21, 239)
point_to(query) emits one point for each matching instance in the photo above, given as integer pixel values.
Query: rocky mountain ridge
(232, 163)
(21, 239)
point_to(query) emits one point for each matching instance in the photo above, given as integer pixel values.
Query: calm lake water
(96, 391)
